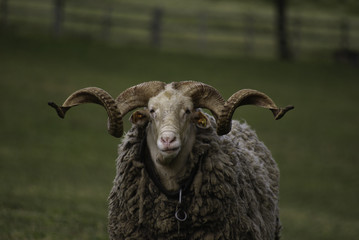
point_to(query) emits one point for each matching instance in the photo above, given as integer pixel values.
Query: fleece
(233, 190)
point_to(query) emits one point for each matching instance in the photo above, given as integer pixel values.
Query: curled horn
(138, 96)
(98, 96)
(203, 96)
(247, 97)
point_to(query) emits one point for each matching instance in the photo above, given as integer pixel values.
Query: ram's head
(170, 111)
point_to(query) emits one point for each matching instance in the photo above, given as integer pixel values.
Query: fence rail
(249, 34)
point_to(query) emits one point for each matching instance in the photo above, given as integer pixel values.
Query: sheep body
(234, 193)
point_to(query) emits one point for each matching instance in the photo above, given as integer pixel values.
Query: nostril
(164, 139)
(168, 140)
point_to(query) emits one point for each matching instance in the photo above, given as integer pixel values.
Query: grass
(55, 174)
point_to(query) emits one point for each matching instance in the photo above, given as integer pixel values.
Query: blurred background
(55, 175)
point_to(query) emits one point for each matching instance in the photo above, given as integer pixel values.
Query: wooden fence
(207, 32)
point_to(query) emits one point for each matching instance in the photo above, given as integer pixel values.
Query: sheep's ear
(140, 117)
(201, 120)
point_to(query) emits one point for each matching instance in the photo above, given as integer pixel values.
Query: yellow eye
(202, 122)
(137, 116)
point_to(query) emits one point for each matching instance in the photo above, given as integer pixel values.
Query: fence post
(156, 27)
(59, 14)
(281, 24)
(3, 13)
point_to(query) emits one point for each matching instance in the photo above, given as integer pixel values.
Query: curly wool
(234, 194)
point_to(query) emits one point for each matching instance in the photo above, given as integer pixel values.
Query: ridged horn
(246, 97)
(203, 96)
(98, 96)
(138, 96)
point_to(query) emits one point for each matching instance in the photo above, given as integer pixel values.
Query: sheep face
(171, 131)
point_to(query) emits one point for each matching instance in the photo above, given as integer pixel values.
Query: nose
(167, 139)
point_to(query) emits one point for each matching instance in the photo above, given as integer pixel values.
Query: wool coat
(230, 190)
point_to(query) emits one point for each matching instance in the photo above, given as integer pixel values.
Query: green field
(55, 174)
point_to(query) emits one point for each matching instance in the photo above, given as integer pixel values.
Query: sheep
(182, 173)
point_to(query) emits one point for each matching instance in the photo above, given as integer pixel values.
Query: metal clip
(180, 197)
(180, 214)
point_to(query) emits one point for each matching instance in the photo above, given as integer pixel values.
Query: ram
(182, 173)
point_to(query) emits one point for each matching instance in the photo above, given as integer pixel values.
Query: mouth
(166, 156)
(170, 150)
